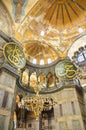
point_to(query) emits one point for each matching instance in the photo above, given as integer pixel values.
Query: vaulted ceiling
(39, 23)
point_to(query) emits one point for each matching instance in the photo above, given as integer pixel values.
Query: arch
(42, 79)
(33, 80)
(5, 18)
(50, 80)
(79, 42)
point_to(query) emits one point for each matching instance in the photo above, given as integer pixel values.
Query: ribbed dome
(57, 22)
(59, 13)
(39, 53)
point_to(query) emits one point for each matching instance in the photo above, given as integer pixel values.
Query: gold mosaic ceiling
(59, 13)
(59, 20)
(45, 54)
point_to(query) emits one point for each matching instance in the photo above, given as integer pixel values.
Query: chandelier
(37, 103)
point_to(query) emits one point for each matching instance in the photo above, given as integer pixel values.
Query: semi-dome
(39, 53)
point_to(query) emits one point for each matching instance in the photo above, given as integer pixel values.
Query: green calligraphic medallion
(65, 69)
(14, 55)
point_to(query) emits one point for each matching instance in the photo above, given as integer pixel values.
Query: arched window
(80, 56)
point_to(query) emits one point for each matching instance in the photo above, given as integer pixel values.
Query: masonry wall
(68, 112)
(7, 87)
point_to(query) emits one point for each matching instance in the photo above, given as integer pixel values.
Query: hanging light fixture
(37, 103)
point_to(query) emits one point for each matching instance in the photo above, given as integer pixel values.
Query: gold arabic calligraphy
(68, 71)
(15, 55)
